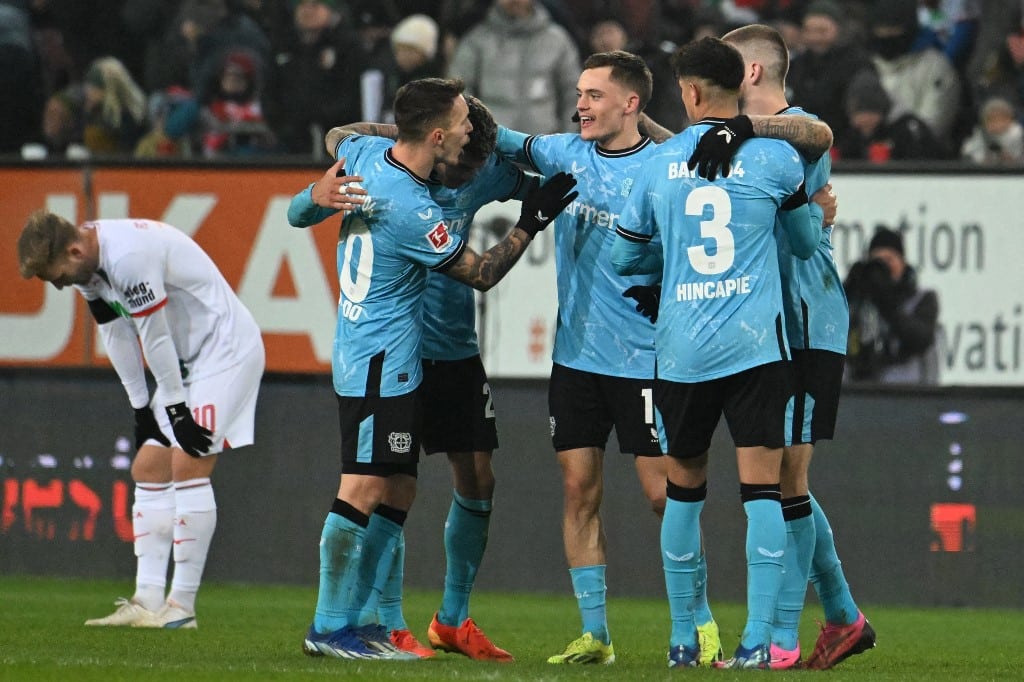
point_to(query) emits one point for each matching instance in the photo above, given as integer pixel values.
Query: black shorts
(818, 379)
(584, 407)
(755, 403)
(380, 436)
(458, 412)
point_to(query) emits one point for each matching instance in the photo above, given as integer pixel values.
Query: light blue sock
(341, 549)
(389, 610)
(465, 538)
(589, 586)
(701, 607)
(827, 573)
(766, 546)
(796, 564)
(382, 536)
(681, 560)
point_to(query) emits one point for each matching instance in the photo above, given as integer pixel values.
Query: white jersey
(156, 276)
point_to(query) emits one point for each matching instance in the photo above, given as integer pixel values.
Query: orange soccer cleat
(467, 639)
(404, 640)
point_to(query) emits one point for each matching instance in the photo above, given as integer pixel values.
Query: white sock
(152, 525)
(194, 522)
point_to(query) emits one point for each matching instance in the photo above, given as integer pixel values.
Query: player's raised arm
(335, 135)
(810, 136)
(652, 129)
(542, 205)
(334, 192)
(716, 148)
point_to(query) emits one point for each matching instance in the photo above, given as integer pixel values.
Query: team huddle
(695, 279)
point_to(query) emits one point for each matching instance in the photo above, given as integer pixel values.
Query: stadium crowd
(896, 79)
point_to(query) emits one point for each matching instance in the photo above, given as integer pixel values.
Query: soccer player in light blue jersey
(603, 358)
(817, 320)
(721, 344)
(385, 248)
(459, 415)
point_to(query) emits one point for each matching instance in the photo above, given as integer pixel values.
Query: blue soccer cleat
(376, 637)
(756, 658)
(680, 656)
(344, 642)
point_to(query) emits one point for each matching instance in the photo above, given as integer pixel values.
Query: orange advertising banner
(285, 276)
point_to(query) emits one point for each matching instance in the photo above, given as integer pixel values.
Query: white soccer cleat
(128, 612)
(170, 617)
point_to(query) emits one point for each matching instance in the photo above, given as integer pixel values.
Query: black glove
(718, 145)
(193, 438)
(146, 428)
(544, 202)
(647, 298)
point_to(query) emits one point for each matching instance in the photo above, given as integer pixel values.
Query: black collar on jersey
(616, 153)
(711, 121)
(783, 110)
(389, 158)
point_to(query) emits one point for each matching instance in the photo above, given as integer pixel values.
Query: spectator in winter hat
(414, 54)
(414, 41)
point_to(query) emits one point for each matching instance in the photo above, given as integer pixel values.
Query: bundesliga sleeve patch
(439, 237)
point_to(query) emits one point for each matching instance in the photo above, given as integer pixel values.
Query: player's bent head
(628, 70)
(710, 60)
(44, 239)
(424, 104)
(762, 44)
(484, 137)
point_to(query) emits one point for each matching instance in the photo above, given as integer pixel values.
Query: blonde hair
(120, 91)
(43, 240)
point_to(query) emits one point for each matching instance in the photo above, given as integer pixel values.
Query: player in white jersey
(147, 282)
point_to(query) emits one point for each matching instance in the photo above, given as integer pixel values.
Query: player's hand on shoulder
(718, 145)
(338, 191)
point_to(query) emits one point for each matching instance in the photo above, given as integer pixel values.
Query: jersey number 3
(715, 228)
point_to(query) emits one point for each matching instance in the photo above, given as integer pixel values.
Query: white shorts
(224, 402)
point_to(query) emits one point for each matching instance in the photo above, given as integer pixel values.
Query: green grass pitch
(254, 632)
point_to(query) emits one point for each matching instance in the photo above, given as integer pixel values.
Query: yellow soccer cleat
(710, 644)
(586, 649)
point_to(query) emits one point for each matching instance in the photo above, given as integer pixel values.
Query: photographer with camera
(892, 321)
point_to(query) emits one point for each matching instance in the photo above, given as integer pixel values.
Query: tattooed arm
(335, 135)
(652, 129)
(811, 137)
(483, 270)
(541, 205)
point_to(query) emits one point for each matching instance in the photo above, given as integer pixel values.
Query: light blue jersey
(449, 307)
(598, 330)
(721, 299)
(449, 312)
(385, 249)
(817, 314)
